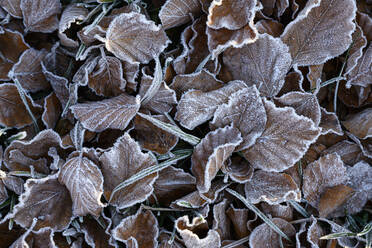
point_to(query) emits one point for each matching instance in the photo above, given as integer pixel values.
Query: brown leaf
(329, 122)
(246, 112)
(13, 112)
(221, 222)
(152, 138)
(263, 63)
(360, 124)
(28, 71)
(271, 27)
(314, 233)
(365, 22)
(48, 201)
(321, 31)
(115, 113)
(264, 236)
(271, 187)
(133, 38)
(202, 80)
(14, 184)
(327, 171)
(239, 219)
(121, 162)
(238, 169)
(196, 106)
(361, 74)
(211, 153)
(332, 198)
(305, 104)
(177, 12)
(349, 152)
(13, 7)
(166, 240)
(286, 138)
(94, 234)
(284, 212)
(52, 111)
(231, 14)
(84, 180)
(356, 49)
(140, 229)
(315, 77)
(40, 15)
(193, 234)
(3, 193)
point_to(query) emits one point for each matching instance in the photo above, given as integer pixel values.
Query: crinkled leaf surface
(286, 138)
(361, 74)
(196, 106)
(177, 12)
(211, 153)
(13, 7)
(121, 162)
(271, 187)
(84, 180)
(238, 169)
(112, 113)
(133, 38)
(246, 112)
(360, 124)
(321, 31)
(263, 63)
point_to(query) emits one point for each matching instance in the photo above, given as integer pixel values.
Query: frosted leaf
(361, 74)
(360, 124)
(121, 162)
(140, 229)
(52, 111)
(231, 14)
(271, 27)
(365, 22)
(165, 237)
(332, 198)
(202, 80)
(72, 14)
(211, 153)
(221, 39)
(43, 238)
(305, 104)
(84, 180)
(196, 106)
(177, 12)
(264, 236)
(152, 138)
(349, 152)
(293, 82)
(13, 112)
(48, 201)
(238, 169)
(271, 187)
(131, 72)
(284, 212)
(327, 171)
(114, 113)
(94, 234)
(28, 71)
(329, 122)
(315, 77)
(173, 183)
(263, 63)
(13, 7)
(193, 232)
(321, 31)
(314, 233)
(246, 112)
(286, 138)
(356, 49)
(14, 184)
(5, 67)
(34, 150)
(40, 15)
(162, 101)
(133, 38)
(3, 192)
(240, 217)
(221, 222)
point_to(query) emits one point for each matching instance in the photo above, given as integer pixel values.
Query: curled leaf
(360, 124)
(73, 13)
(332, 198)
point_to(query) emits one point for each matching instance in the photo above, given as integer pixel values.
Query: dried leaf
(211, 153)
(321, 31)
(361, 74)
(122, 161)
(315, 77)
(13, 112)
(14, 184)
(246, 112)
(3, 193)
(28, 71)
(133, 38)
(40, 15)
(327, 171)
(263, 63)
(193, 233)
(196, 106)
(329, 123)
(264, 236)
(271, 187)
(202, 80)
(286, 138)
(356, 49)
(139, 230)
(314, 233)
(348, 151)
(114, 113)
(332, 198)
(365, 22)
(360, 124)
(177, 12)
(240, 219)
(13, 7)
(270, 27)
(284, 212)
(231, 14)
(304, 104)
(48, 201)
(52, 111)
(152, 138)
(84, 180)
(221, 223)
(94, 233)
(238, 169)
